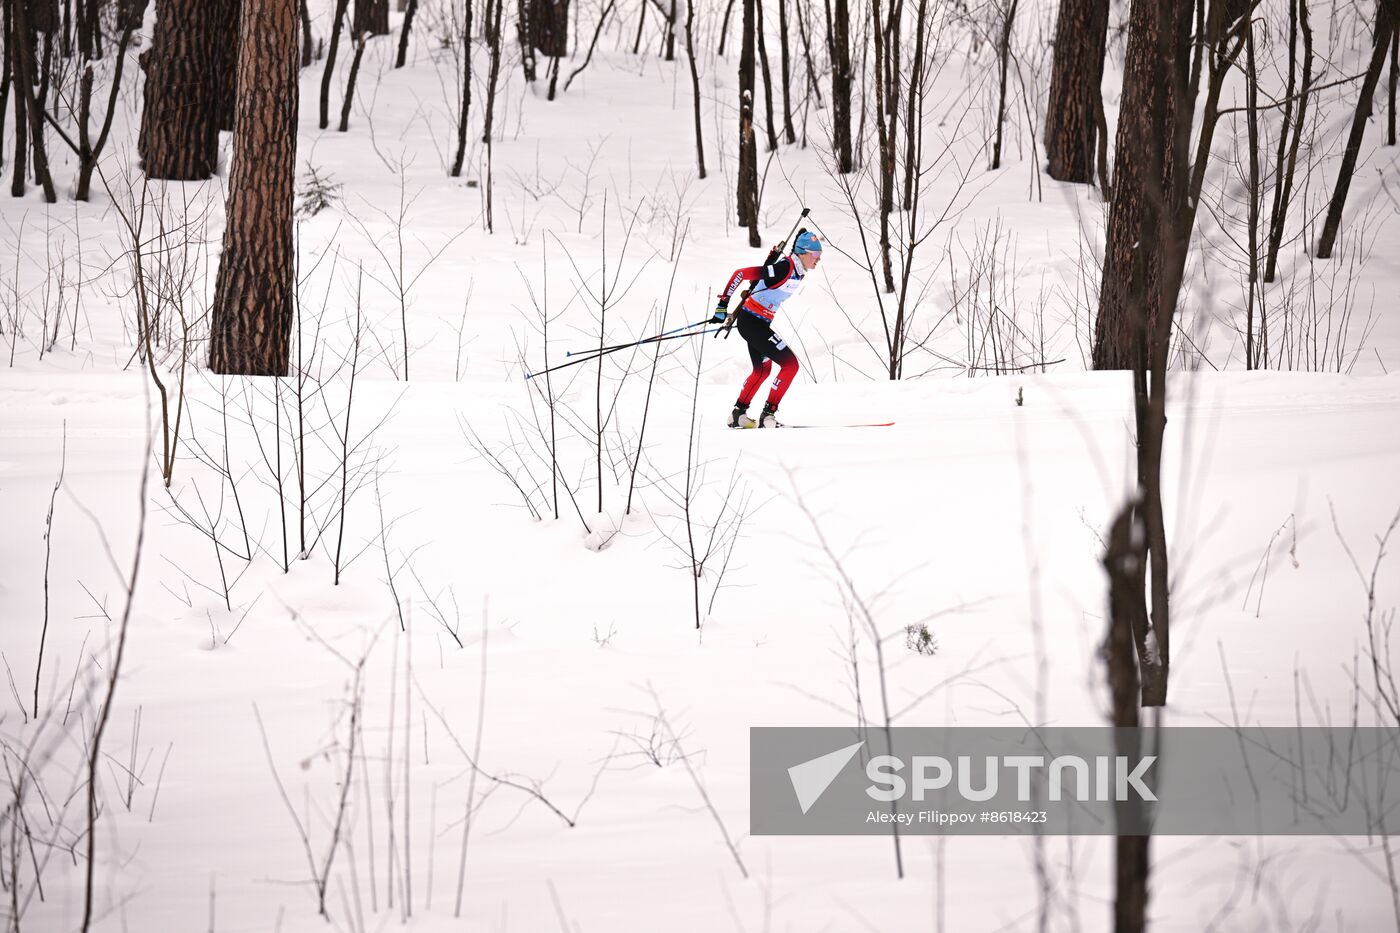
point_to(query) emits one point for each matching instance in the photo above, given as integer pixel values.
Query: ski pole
(589, 359)
(620, 346)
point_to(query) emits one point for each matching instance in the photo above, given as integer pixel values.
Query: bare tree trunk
(254, 293)
(350, 79)
(671, 34)
(1394, 83)
(549, 27)
(1288, 159)
(694, 84)
(308, 44)
(522, 29)
(913, 119)
(839, 49)
(6, 72)
(27, 105)
(885, 119)
(466, 101)
(408, 15)
(226, 64)
(328, 70)
(789, 133)
(371, 16)
(724, 26)
(1385, 36)
(1076, 90)
(493, 33)
(767, 77)
(747, 194)
(1123, 561)
(1255, 357)
(1145, 119)
(1004, 53)
(179, 118)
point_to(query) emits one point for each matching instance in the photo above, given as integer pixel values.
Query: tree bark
(1146, 120)
(549, 27)
(1288, 158)
(1385, 34)
(225, 66)
(371, 16)
(332, 50)
(767, 76)
(28, 107)
(789, 132)
(308, 43)
(747, 194)
(408, 15)
(254, 294)
(6, 72)
(839, 50)
(1076, 90)
(179, 136)
(465, 103)
(694, 84)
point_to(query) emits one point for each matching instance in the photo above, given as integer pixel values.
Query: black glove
(721, 311)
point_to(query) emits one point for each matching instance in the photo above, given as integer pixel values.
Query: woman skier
(775, 284)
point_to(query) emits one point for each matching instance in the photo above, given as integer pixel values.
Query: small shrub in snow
(918, 639)
(318, 192)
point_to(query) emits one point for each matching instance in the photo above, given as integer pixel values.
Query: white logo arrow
(811, 778)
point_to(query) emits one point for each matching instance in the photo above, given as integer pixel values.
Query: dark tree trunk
(1146, 120)
(767, 77)
(694, 83)
(1394, 83)
(1385, 35)
(838, 46)
(28, 110)
(308, 44)
(887, 80)
(179, 117)
(747, 193)
(522, 28)
(350, 79)
(789, 132)
(671, 34)
(43, 16)
(255, 291)
(912, 121)
(226, 60)
(1076, 90)
(1288, 158)
(494, 12)
(86, 148)
(1123, 561)
(466, 102)
(549, 27)
(371, 16)
(724, 26)
(332, 50)
(1004, 54)
(408, 15)
(6, 72)
(1255, 352)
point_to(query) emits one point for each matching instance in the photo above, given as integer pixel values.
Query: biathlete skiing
(774, 283)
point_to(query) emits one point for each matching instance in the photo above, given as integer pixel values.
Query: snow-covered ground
(610, 734)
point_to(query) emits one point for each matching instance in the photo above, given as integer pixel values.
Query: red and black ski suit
(775, 284)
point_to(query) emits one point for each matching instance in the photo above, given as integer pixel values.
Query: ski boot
(769, 418)
(739, 418)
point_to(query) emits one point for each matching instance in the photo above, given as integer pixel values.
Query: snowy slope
(562, 656)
